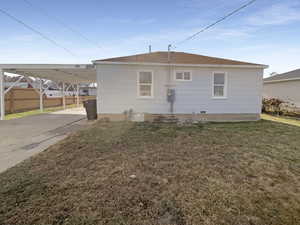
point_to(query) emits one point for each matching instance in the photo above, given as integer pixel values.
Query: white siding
(117, 90)
(288, 91)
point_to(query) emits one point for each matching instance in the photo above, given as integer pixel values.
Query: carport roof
(69, 73)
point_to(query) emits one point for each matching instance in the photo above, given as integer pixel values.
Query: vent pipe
(169, 53)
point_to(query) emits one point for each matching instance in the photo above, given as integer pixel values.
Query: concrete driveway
(24, 137)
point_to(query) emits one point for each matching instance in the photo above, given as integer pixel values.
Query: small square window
(183, 76)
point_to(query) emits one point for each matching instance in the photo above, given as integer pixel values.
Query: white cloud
(277, 14)
(280, 58)
(229, 33)
(43, 52)
(180, 34)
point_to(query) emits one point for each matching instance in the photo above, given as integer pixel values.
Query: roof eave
(281, 80)
(96, 62)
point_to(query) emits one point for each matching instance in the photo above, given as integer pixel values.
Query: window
(183, 76)
(219, 85)
(145, 84)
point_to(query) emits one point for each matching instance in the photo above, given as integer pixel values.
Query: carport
(71, 74)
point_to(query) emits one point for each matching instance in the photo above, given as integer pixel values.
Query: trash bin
(91, 109)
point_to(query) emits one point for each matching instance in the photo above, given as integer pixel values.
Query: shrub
(280, 107)
(272, 105)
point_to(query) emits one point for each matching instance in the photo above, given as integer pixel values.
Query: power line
(216, 22)
(43, 11)
(37, 32)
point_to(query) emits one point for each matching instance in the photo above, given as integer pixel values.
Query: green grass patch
(281, 119)
(126, 173)
(37, 111)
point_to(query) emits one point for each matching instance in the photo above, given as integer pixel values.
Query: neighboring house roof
(15, 78)
(176, 58)
(292, 75)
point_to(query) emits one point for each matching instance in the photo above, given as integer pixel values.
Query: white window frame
(138, 85)
(225, 85)
(183, 71)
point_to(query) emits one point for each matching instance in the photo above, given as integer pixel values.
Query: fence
(25, 99)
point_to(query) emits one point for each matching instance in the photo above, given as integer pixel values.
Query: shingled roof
(295, 74)
(175, 58)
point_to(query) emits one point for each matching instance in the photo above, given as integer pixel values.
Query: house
(54, 90)
(22, 83)
(186, 86)
(88, 89)
(284, 86)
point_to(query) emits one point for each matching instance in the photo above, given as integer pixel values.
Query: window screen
(145, 84)
(219, 85)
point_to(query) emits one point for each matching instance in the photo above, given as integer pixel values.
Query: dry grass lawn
(160, 174)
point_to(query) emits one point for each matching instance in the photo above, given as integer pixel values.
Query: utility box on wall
(171, 95)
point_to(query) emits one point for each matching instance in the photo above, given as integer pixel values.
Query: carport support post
(2, 95)
(77, 94)
(41, 96)
(64, 96)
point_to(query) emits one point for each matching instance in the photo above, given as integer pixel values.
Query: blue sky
(266, 32)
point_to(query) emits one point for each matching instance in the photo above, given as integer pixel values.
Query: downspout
(2, 95)
(169, 90)
(77, 95)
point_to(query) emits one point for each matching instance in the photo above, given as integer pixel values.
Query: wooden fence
(25, 99)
